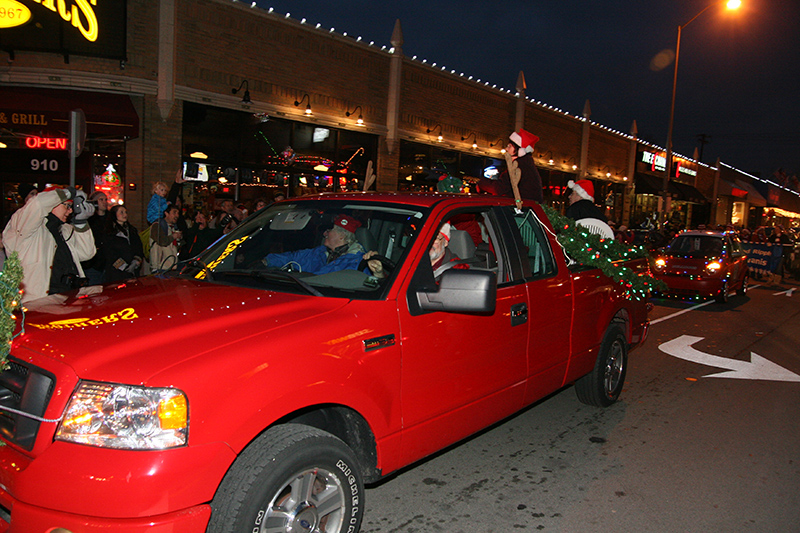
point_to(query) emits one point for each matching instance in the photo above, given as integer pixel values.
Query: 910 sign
(44, 165)
(48, 164)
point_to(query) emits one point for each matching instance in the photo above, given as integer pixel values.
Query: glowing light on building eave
(391, 50)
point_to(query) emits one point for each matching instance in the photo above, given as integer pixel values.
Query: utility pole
(703, 140)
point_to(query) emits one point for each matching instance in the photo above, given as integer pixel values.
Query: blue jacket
(315, 260)
(156, 208)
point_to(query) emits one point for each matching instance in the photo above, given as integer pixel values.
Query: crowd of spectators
(66, 240)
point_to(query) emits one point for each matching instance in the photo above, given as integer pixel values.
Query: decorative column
(519, 117)
(628, 194)
(166, 57)
(393, 103)
(389, 156)
(587, 113)
(714, 198)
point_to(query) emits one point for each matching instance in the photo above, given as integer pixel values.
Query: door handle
(519, 314)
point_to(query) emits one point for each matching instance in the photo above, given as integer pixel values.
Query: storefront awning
(32, 110)
(647, 184)
(753, 196)
(689, 193)
(727, 188)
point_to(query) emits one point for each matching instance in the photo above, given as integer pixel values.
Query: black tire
(724, 294)
(292, 478)
(743, 289)
(602, 386)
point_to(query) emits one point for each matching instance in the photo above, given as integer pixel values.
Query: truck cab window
(540, 256)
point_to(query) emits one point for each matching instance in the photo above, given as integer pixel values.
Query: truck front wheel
(293, 478)
(601, 387)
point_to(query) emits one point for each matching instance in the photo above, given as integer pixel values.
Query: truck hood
(131, 331)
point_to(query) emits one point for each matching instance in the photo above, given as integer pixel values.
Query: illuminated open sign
(46, 143)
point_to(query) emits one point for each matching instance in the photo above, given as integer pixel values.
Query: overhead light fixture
(429, 130)
(498, 141)
(198, 155)
(474, 139)
(360, 120)
(308, 105)
(246, 96)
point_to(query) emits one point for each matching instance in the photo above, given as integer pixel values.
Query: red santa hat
(445, 231)
(584, 189)
(525, 140)
(347, 223)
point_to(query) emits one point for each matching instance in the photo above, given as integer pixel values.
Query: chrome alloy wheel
(615, 363)
(313, 501)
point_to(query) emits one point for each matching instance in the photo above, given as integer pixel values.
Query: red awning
(32, 110)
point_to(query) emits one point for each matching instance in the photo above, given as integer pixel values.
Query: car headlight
(660, 263)
(125, 417)
(713, 267)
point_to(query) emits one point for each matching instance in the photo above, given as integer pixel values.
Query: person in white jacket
(50, 250)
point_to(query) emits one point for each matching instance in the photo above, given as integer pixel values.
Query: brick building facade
(184, 58)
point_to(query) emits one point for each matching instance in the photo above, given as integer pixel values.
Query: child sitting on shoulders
(158, 202)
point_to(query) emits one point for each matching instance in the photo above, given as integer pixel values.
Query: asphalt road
(681, 451)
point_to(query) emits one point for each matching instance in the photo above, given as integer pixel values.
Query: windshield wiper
(194, 262)
(274, 274)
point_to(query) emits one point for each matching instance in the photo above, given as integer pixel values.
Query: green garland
(10, 278)
(588, 248)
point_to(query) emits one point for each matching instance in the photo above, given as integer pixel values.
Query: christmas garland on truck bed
(609, 255)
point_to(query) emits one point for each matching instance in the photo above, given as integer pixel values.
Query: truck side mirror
(461, 291)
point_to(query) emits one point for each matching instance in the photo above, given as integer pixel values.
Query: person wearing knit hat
(49, 247)
(520, 147)
(339, 251)
(26, 191)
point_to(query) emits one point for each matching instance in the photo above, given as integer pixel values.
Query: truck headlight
(125, 417)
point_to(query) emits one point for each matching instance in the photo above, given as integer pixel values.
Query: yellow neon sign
(13, 14)
(87, 25)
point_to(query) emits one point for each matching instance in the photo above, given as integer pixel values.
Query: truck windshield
(313, 247)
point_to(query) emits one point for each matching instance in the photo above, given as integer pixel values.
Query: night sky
(738, 76)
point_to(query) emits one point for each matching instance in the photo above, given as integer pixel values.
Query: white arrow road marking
(785, 293)
(757, 368)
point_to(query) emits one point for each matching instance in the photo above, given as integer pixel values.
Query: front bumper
(84, 488)
(686, 286)
(26, 518)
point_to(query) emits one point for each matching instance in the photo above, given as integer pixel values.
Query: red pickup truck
(258, 388)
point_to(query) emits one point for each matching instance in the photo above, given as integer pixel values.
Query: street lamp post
(731, 4)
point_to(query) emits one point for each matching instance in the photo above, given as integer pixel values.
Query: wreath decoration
(587, 248)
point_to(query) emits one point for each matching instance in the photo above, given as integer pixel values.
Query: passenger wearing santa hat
(339, 251)
(520, 147)
(583, 210)
(581, 201)
(439, 254)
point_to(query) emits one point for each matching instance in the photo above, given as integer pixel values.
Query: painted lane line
(757, 368)
(673, 315)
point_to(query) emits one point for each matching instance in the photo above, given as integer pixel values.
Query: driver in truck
(339, 251)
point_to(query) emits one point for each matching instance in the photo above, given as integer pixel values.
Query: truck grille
(25, 388)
